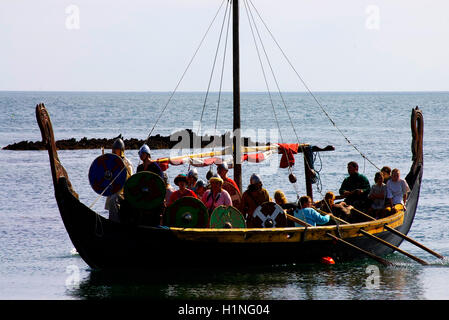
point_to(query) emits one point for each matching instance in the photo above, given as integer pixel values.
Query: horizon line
(255, 91)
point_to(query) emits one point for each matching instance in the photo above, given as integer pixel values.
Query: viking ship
(103, 243)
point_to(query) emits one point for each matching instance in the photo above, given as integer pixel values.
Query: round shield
(145, 190)
(236, 197)
(107, 174)
(226, 217)
(269, 215)
(187, 212)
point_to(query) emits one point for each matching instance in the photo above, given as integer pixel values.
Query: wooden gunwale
(287, 235)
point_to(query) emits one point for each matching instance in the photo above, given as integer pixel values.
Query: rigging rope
(213, 67)
(249, 13)
(263, 72)
(221, 77)
(185, 71)
(310, 92)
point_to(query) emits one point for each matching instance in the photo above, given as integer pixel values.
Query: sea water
(38, 260)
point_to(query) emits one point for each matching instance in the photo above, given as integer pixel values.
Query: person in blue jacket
(306, 213)
(148, 164)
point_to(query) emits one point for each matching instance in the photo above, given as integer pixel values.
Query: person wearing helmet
(200, 188)
(181, 182)
(254, 196)
(118, 148)
(216, 196)
(147, 164)
(222, 170)
(112, 203)
(192, 177)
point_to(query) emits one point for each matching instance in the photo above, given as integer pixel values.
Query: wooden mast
(237, 155)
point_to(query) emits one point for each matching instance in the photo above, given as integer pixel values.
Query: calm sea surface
(37, 260)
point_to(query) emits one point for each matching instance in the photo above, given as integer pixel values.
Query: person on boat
(169, 188)
(112, 203)
(397, 189)
(118, 148)
(200, 188)
(378, 195)
(192, 177)
(386, 173)
(254, 196)
(216, 196)
(181, 182)
(341, 209)
(222, 170)
(355, 188)
(280, 198)
(148, 164)
(289, 207)
(306, 213)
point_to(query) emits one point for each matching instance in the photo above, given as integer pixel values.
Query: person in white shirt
(397, 189)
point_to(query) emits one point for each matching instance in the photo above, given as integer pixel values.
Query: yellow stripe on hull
(287, 235)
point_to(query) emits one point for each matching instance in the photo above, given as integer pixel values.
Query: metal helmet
(144, 149)
(193, 173)
(118, 144)
(255, 179)
(209, 174)
(200, 183)
(223, 166)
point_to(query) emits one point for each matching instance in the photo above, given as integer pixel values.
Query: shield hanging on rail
(187, 212)
(107, 174)
(269, 215)
(145, 190)
(236, 197)
(226, 217)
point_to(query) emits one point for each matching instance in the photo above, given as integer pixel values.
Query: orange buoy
(327, 260)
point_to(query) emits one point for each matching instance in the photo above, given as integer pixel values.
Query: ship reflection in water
(345, 281)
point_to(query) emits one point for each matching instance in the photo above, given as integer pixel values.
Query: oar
(332, 216)
(292, 218)
(379, 259)
(416, 243)
(384, 242)
(373, 256)
(192, 156)
(393, 247)
(403, 236)
(364, 214)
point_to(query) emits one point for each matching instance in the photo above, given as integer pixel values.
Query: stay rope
(97, 218)
(252, 21)
(104, 190)
(213, 66)
(221, 77)
(310, 91)
(185, 71)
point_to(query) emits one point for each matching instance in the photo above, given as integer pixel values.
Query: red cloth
(177, 195)
(163, 165)
(254, 157)
(287, 150)
(231, 182)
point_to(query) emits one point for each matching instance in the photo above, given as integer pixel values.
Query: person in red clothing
(222, 170)
(181, 182)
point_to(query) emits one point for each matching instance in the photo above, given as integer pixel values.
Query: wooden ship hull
(105, 244)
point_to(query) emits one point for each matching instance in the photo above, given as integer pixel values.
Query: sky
(145, 45)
